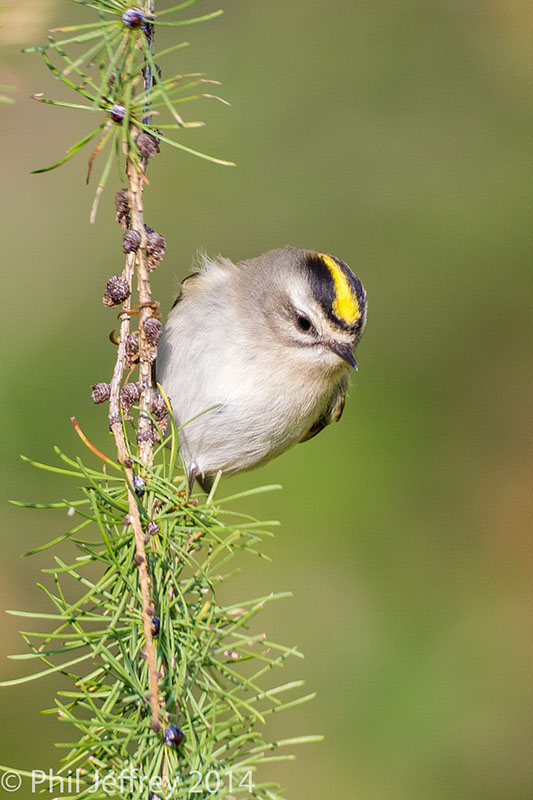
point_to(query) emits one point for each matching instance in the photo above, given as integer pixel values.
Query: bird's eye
(303, 323)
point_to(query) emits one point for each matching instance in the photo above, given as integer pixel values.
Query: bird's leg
(206, 481)
(192, 473)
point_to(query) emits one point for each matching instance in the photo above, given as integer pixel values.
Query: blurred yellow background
(398, 136)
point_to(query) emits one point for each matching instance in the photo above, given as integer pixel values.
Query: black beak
(345, 352)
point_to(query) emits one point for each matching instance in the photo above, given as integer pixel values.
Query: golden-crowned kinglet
(266, 345)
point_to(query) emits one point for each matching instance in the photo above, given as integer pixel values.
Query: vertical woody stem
(116, 426)
(137, 262)
(145, 434)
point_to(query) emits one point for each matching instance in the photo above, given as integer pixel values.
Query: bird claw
(192, 473)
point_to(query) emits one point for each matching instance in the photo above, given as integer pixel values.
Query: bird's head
(318, 307)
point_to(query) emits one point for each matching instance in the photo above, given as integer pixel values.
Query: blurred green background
(398, 136)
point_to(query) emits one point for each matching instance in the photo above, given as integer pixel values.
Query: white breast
(265, 403)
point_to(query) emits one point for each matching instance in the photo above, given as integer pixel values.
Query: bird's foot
(192, 475)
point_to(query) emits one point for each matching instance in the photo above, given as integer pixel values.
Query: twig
(138, 262)
(115, 423)
(145, 432)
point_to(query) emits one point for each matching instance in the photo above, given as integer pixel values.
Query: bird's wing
(332, 413)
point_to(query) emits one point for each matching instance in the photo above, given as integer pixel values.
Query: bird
(255, 356)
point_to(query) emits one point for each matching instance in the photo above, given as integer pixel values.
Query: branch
(162, 606)
(136, 261)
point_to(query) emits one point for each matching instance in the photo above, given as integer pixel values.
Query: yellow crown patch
(345, 305)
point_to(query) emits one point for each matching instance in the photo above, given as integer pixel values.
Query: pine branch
(164, 681)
